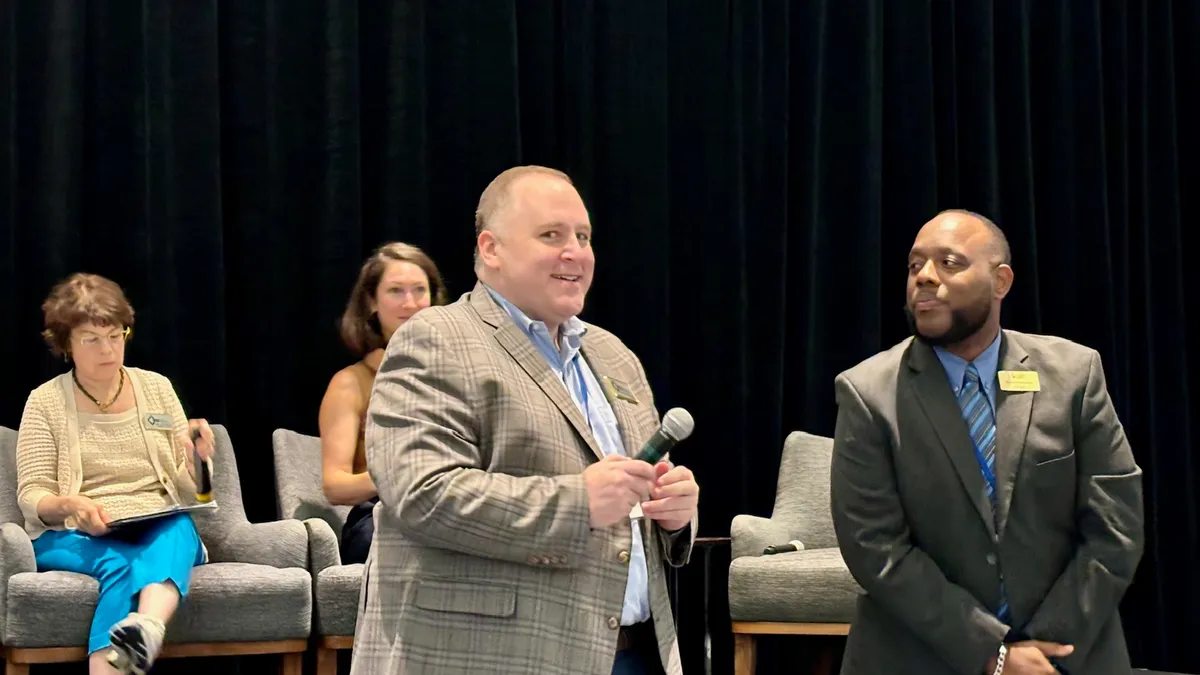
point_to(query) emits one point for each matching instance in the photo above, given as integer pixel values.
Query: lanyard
(988, 474)
(983, 466)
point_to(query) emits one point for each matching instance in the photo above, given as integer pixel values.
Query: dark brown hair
(79, 299)
(359, 326)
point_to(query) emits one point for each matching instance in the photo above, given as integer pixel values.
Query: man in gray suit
(500, 434)
(983, 492)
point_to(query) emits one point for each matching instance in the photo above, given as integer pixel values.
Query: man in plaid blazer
(514, 533)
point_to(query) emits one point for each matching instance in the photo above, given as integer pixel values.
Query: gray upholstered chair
(335, 586)
(806, 592)
(253, 597)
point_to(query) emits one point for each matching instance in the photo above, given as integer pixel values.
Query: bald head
(498, 195)
(961, 218)
(533, 243)
(958, 274)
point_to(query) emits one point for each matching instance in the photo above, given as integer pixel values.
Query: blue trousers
(124, 562)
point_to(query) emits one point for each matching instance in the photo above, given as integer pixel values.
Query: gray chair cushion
(298, 485)
(809, 586)
(228, 602)
(10, 512)
(799, 587)
(298, 481)
(16, 552)
(227, 533)
(337, 599)
(802, 495)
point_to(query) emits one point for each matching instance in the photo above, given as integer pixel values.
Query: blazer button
(623, 556)
(614, 623)
(991, 558)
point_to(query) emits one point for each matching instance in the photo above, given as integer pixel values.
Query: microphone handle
(783, 548)
(656, 448)
(203, 476)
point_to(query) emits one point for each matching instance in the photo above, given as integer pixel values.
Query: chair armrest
(282, 543)
(16, 557)
(322, 546)
(749, 535)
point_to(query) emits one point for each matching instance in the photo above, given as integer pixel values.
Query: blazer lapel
(521, 348)
(933, 393)
(1013, 412)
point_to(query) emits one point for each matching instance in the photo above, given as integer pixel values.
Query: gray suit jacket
(483, 559)
(914, 523)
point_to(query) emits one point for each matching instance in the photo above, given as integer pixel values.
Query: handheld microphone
(203, 472)
(793, 545)
(676, 426)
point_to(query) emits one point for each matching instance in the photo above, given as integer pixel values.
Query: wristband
(1000, 660)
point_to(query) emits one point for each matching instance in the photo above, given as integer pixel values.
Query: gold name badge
(617, 389)
(1019, 380)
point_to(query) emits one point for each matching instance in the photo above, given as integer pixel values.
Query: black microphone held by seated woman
(203, 472)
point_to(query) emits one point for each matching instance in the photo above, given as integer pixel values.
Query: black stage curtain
(756, 171)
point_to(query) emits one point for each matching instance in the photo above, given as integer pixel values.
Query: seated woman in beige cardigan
(103, 442)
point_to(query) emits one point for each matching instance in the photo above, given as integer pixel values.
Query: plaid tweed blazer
(483, 559)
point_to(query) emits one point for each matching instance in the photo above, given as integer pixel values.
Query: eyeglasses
(114, 340)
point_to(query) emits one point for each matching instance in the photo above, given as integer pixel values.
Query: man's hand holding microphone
(615, 485)
(668, 494)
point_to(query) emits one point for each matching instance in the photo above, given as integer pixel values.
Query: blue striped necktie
(982, 426)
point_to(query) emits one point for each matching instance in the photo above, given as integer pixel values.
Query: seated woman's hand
(204, 446)
(89, 516)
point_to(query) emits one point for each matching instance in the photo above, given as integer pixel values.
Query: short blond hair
(497, 195)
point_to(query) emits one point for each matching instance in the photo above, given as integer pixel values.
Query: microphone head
(678, 423)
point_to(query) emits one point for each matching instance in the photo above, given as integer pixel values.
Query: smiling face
(956, 280)
(402, 292)
(539, 254)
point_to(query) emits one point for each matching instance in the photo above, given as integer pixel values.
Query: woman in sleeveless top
(396, 282)
(100, 443)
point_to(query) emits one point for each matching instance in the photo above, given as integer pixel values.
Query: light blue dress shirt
(575, 374)
(986, 364)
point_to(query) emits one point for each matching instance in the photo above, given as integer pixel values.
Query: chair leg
(291, 664)
(11, 668)
(744, 654)
(326, 661)
(824, 663)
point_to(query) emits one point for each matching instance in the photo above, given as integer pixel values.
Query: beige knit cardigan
(48, 461)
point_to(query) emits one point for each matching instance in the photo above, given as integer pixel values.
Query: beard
(964, 323)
